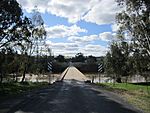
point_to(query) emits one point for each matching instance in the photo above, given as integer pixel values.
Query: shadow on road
(70, 97)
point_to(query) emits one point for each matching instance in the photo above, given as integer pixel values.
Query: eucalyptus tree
(39, 36)
(10, 15)
(141, 63)
(12, 24)
(135, 20)
(37, 39)
(113, 62)
(117, 61)
(108, 65)
(14, 29)
(128, 67)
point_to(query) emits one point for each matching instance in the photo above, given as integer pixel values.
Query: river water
(103, 79)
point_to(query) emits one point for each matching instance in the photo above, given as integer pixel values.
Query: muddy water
(41, 78)
(104, 79)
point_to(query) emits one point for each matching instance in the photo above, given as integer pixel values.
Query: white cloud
(64, 48)
(61, 31)
(95, 11)
(83, 39)
(70, 9)
(103, 13)
(106, 36)
(71, 49)
(95, 50)
(115, 27)
(29, 5)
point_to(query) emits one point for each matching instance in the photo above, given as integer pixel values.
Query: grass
(129, 87)
(13, 88)
(138, 95)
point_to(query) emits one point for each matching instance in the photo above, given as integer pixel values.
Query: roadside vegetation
(129, 52)
(15, 88)
(23, 50)
(135, 94)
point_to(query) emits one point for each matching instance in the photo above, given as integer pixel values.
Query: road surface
(72, 73)
(70, 96)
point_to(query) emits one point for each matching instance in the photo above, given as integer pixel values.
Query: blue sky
(74, 26)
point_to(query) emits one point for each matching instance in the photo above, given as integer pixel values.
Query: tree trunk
(118, 80)
(114, 80)
(126, 80)
(25, 69)
(146, 84)
(14, 76)
(24, 73)
(16, 79)
(1, 78)
(93, 79)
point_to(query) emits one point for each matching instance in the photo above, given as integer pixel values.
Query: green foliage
(16, 88)
(118, 61)
(13, 26)
(91, 59)
(135, 21)
(108, 64)
(60, 58)
(79, 57)
(130, 58)
(15, 33)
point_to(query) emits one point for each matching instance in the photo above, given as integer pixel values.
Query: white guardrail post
(100, 69)
(49, 68)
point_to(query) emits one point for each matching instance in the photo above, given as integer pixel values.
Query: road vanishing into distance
(70, 96)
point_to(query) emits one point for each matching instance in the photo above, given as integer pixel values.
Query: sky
(73, 26)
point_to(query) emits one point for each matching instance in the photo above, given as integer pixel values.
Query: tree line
(22, 41)
(23, 48)
(131, 56)
(86, 64)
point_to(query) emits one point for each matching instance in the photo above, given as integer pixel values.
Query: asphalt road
(72, 96)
